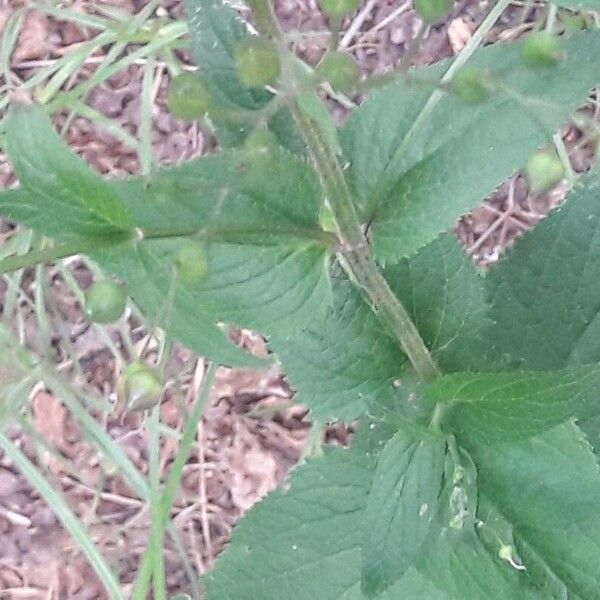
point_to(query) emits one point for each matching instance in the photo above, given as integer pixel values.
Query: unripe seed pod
(257, 62)
(139, 387)
(105, 302)
(432, 11)
(192, 262)
(541, 50)
(339, 69)
(262, 141)
(471, 85)
(189, 97)
(338, 9)
(544, 171)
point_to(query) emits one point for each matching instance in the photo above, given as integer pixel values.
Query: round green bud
(104, 302)
(257, 62)
(544, 171)
(340, 69)
(432, 11)
(262, 141)
(140, 386)
(471, 85)
(338, 9)
(189, 97)
(192, 262)
(541, 50)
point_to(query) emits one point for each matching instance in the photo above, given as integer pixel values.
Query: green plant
(544, 170)
(433, 10)
(473, 472)
(337, 9)
(105, 302)
(188, 97)
(541, 50)
(257, 62)
(339, 69)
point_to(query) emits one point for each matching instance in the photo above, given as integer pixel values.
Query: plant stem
(355, 250)
(391, 311)
(54, 253)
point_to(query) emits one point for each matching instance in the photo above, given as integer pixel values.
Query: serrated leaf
(302, 541)
(64, 197)
(216, 30)
(344, 364)
(259, 218)
(492, 406)
(445, 165)
(445, 297)
(402, 503)
(548, 487)
(544, 294)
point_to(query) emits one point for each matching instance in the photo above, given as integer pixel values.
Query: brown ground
(251, 434)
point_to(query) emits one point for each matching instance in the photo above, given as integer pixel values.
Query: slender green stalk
(157, 527)
(54, 253)
(187, 439)
(223, 234)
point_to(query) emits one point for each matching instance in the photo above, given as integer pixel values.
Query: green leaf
(548, 487)
(401, 505)
(445, 297)
(436, 171)
(267, 268)
(60, 194)
(346, 363)
(544, 294)
(216, 30)
(514, 405)
(302, 541)
(578, 4)
(342, 363)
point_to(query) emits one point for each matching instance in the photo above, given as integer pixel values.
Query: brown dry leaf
(459, 34)
(3, 18)
(253, 470)
(33, 41)
(50, 418)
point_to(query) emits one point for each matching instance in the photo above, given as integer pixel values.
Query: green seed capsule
(544, 171)
(340, 69)
(337, 9)
(432, 11)
(105, 302)
(262, 141)
(541, 50)
(471, 85)
(139, 387)
(192, 262)
(189, 97)
(257, 62)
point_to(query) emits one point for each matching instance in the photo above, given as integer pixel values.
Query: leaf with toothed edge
(343, 365)
(461, 152)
